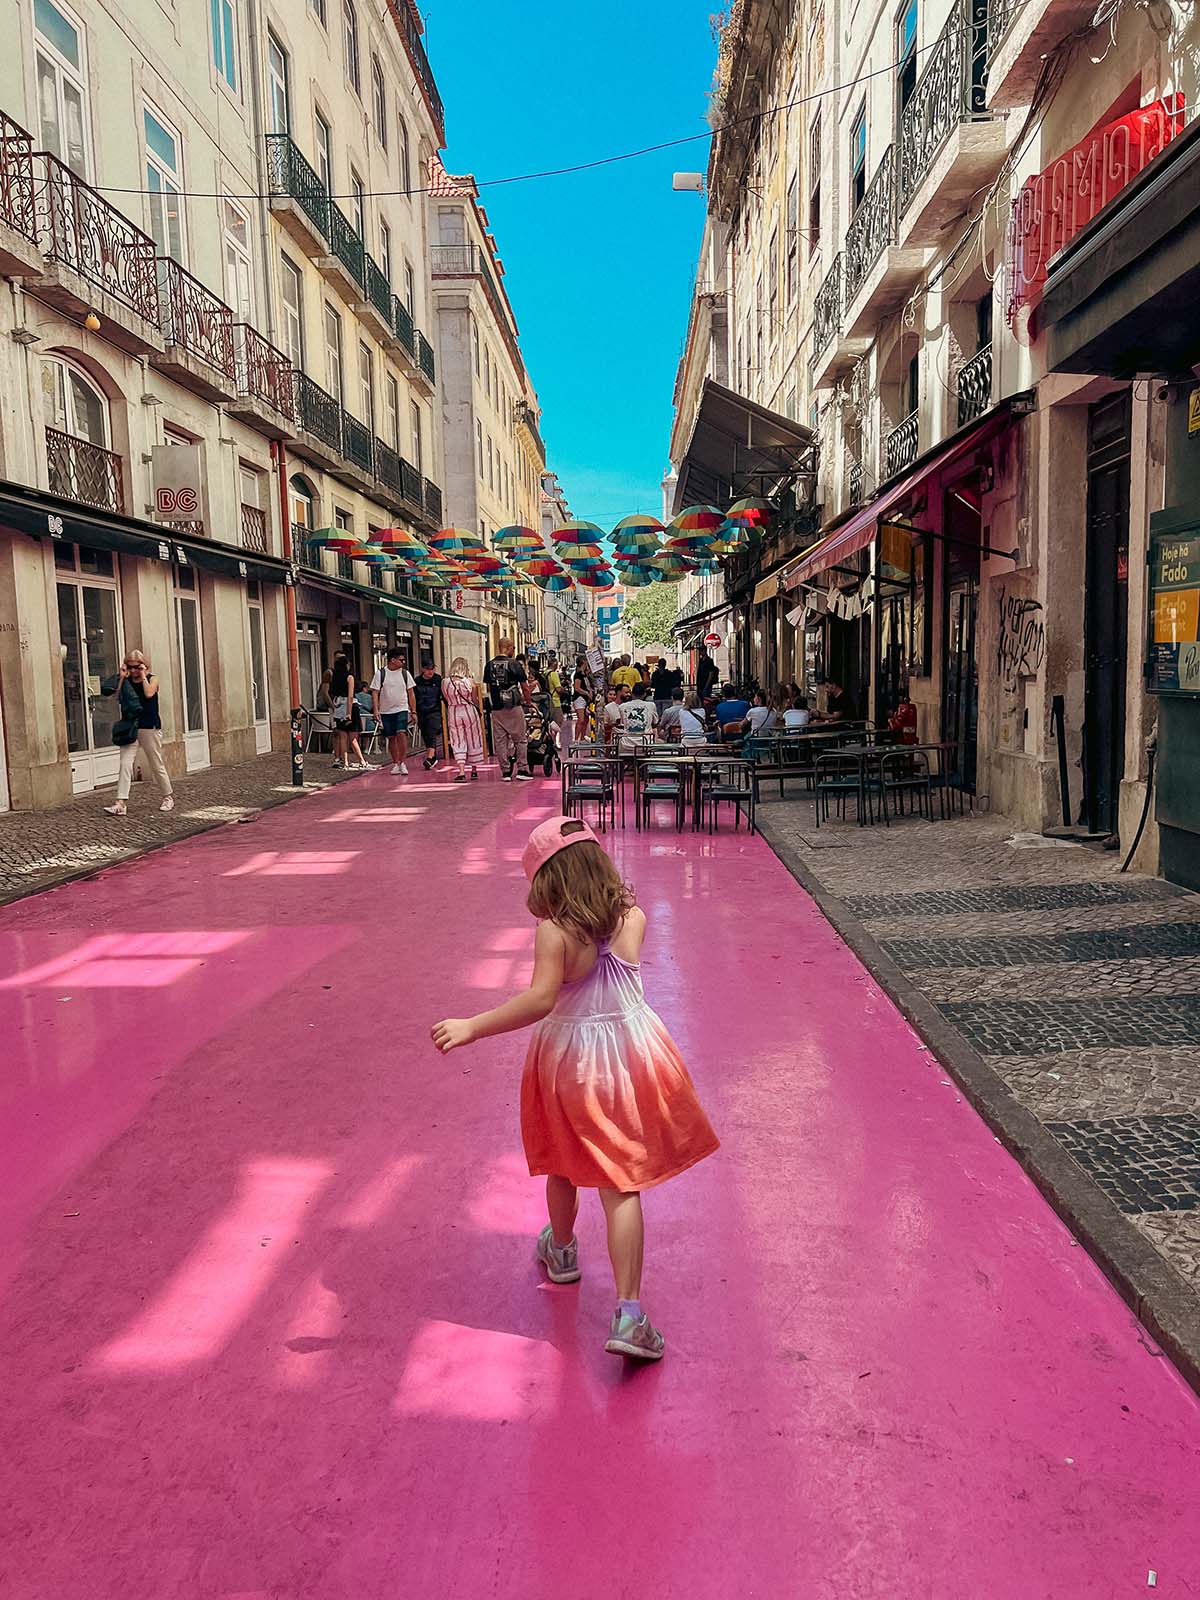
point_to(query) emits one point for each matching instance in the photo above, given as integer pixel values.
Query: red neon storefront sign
(1059, 202)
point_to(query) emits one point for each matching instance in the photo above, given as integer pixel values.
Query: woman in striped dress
(464, 713)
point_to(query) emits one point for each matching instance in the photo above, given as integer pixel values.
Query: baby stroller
(542, 733)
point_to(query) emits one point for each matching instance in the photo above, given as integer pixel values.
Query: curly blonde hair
(581, 890)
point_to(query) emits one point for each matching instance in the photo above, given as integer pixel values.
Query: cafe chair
(662, 783)
(905, 772)
(586, 782)
(839, 778)
(730, 784)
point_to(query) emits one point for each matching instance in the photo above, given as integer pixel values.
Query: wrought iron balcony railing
(264, 373)
(254, 529)
(17, 206)
(83, 471)
(412, 485)
(425, 357)
(318, 413)
(854, 483)
(290, 175)
(827, 308)
(900, 446)
(1000, 16)
(402, 323)
(357, 441)
(345, 244)
(80, 230)
(433, 502)
(411, 35)
(387, 468)
(379, 291)
(195, 319)
(458, 259)
(872, 228)
(975, 386)
(951, 89)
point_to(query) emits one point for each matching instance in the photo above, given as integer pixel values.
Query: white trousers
(149, 745)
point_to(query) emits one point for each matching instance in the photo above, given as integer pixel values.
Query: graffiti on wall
(1020, 639)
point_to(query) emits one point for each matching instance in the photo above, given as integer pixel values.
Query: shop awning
(1121, 299)
(766, 589)
(740, 448)
(50, 516)
(856, 530)
(401, 607)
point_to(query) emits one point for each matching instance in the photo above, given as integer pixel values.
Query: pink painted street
(272, 1323)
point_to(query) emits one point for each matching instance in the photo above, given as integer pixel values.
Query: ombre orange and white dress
(606, 1101)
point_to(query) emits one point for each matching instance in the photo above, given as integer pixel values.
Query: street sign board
(1173, 664)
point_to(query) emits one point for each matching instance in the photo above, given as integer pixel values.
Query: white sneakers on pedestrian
(117, 809)
(168, 803)
(400, 770)
(524, 777)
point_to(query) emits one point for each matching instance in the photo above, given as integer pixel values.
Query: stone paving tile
(1143, 1163)
(1030, 924)
(1131, 943)
(1024, 897)
(1065, 980)
(1104, 1083)
(1176, 1235)
(1025, 1027)
(41, 848)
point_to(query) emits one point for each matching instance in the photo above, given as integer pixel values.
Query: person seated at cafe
(669, 720)
(760, 718)
(731, 712)
(903, 721)
(692, 730)
(638, 719)
(797, 714)
(613, 701)
(830, 702)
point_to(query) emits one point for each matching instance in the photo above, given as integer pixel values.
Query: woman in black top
(138, 730)
(347, 718)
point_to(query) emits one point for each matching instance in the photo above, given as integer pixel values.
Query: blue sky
(599, 265)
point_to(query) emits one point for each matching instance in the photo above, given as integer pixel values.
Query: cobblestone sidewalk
(39, 849)
(1079, 986)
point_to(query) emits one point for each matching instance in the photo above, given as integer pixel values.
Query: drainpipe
(279, 456)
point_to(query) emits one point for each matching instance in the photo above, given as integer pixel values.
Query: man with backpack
(395, 708)
(505, 679)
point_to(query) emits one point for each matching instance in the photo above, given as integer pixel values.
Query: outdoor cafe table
(697, 758)
(862, 753)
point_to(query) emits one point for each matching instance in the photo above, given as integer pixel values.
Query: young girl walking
(606, 1101)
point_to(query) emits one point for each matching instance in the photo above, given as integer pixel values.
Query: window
(379, 100)
(983, 322)
(491, 459)
(479, 447)
(410, 290)
(911, 398)
(405, 157)
(385, 250)
(858, 159)
(61, 75)
(366, 385)
(291, 293)
(906, 54)
(238, 275)
(814, 184)
(72, 402)
(224, 30)
(487, 371)
(391, 391)
(333, 352)
(418, 450)
(302, 501)
(277, 86)
(324, 150)
(164, 181)
(249, 480)
(318, 10)
(358, 206)
(350, 45)
(773, 285)
(475, 344)
(791, 226)
(343, 519)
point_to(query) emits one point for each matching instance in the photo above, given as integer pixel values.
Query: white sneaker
(401, 769)
(168, 803)
(117, 809)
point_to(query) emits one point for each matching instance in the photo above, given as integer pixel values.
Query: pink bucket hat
(547, 840)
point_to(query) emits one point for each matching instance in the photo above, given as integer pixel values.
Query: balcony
(19, 252)
(343, 262)
(411, 35)
(875, 273)
(387, 470)
(266, 385)
(320, 419)
(975, 386)
(425, 359)
(96, 259)
(949, 147)
(412, 486)
(358, 452)
(297, 196)
(433, 503)
(854, 483)
(453, 260)
(402, 323)
(1023, 33)
(254, 530)
(900, 446)
(833, 352)
(80, 470)
(198, 329)
(375, 307)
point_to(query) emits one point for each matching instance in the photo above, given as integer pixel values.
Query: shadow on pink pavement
(274, 1312)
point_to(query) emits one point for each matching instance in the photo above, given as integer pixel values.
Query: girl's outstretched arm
(524, 1009)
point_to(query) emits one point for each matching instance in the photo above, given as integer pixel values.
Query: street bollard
(297, 748)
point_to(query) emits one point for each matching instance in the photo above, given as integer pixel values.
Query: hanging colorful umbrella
(671, 564)
(690, 544)
(638, 526)
(575, 532)
(705, 569)
(595, 580)
(698, 519)
(452, 541)
(568, 552)
(539, 566)
(751, 512)
(638, 577)
(343, 540)
(515, 535)
(555, 583)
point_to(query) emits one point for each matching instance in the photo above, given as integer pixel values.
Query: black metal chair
(839, 778)
(658, 782)
(728, 783)
(905, 772)
(590, 782)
